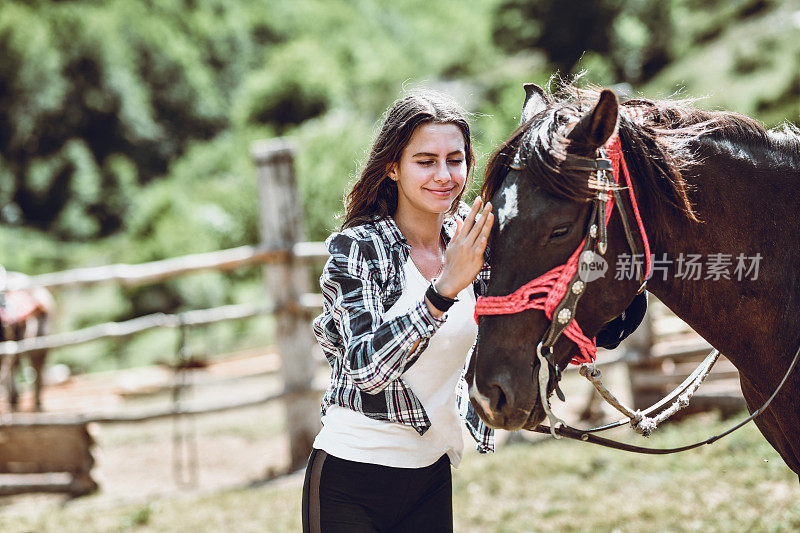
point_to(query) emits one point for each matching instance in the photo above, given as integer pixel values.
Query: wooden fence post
(281, 227)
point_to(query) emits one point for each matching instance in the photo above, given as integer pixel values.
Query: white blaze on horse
(23, 314)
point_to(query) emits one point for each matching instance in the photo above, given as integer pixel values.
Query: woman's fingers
(464, 257)
(459, 227)
(473, 213)
(484, 235)
(477, 228)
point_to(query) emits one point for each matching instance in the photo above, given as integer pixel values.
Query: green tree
(631, 38)
(96, 98)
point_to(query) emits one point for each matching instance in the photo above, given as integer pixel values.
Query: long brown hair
(374, 195)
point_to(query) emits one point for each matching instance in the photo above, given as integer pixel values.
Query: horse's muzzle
(500, 407)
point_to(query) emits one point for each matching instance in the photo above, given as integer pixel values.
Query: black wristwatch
(442, 303)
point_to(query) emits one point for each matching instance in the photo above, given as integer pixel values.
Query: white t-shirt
(351, 435)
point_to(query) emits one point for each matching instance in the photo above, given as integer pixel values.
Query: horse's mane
(659, 139)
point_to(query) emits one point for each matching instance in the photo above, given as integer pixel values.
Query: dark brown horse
(713, 186)
(23, 314)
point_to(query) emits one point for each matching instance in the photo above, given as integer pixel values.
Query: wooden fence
(27, 440)
(669, 351)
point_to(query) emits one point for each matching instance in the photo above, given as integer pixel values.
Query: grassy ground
(737, 484)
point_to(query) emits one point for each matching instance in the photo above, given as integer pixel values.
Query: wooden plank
(112, 330)
(115, 330)
(727, 402)
(665, 381)
(156, 271)
(26, 449)
(311, 251)
(47, 449)
(61, 419)
(59, 482)
(723, 366)
(282, 227)
(685, 347)
(668, 325)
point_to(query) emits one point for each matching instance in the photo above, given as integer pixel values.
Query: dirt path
(163, 458)
(168, 456)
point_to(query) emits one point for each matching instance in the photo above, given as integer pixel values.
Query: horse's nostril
(498, 399)
(500, 396)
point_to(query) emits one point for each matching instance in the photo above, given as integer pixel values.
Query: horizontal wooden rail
(681, 349)
(46, 420)
(112, 330)
(13, 484)
(131, 275)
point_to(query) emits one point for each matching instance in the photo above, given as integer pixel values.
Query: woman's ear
(391, 171)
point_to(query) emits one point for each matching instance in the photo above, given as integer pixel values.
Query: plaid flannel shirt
(368, 355)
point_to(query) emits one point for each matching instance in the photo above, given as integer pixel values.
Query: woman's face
(432, 169)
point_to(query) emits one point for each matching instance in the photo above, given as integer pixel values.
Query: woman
(396, 328)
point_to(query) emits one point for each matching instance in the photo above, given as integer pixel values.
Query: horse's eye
(560, 231)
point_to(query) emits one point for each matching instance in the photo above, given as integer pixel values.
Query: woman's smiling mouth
(441, 192)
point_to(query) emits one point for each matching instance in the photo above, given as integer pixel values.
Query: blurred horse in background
(23, 314)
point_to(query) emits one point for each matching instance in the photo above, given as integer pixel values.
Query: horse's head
(544, 183)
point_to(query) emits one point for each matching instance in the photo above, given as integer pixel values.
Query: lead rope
(640, 422)
(586, 436)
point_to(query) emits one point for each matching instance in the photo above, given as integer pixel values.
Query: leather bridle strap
(585, 436)
(564, 312)
(640, 275)
(589, 164)
(561, 286)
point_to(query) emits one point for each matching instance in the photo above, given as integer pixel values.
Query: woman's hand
(464, 255)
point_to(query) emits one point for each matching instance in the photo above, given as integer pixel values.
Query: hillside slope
(751, 66)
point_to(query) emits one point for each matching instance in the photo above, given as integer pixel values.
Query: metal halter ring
(539, 350)
(543, 379)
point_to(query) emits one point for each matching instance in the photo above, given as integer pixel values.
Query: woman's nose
(442, 174)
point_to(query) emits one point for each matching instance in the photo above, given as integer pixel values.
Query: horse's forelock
(544, 147)
(659, 138)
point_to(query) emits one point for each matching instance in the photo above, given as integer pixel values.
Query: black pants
(346, 496)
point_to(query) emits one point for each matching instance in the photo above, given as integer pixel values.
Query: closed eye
(560, 231)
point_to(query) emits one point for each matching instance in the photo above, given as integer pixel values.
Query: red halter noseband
(548, 290)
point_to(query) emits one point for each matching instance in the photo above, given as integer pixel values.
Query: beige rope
(639, 420)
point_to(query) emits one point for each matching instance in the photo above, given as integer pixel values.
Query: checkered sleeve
(483, 434)
(376, 352)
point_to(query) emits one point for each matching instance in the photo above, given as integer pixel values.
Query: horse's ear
(596, 126)
(535, 101)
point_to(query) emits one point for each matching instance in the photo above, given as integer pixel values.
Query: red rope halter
(547, 291)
